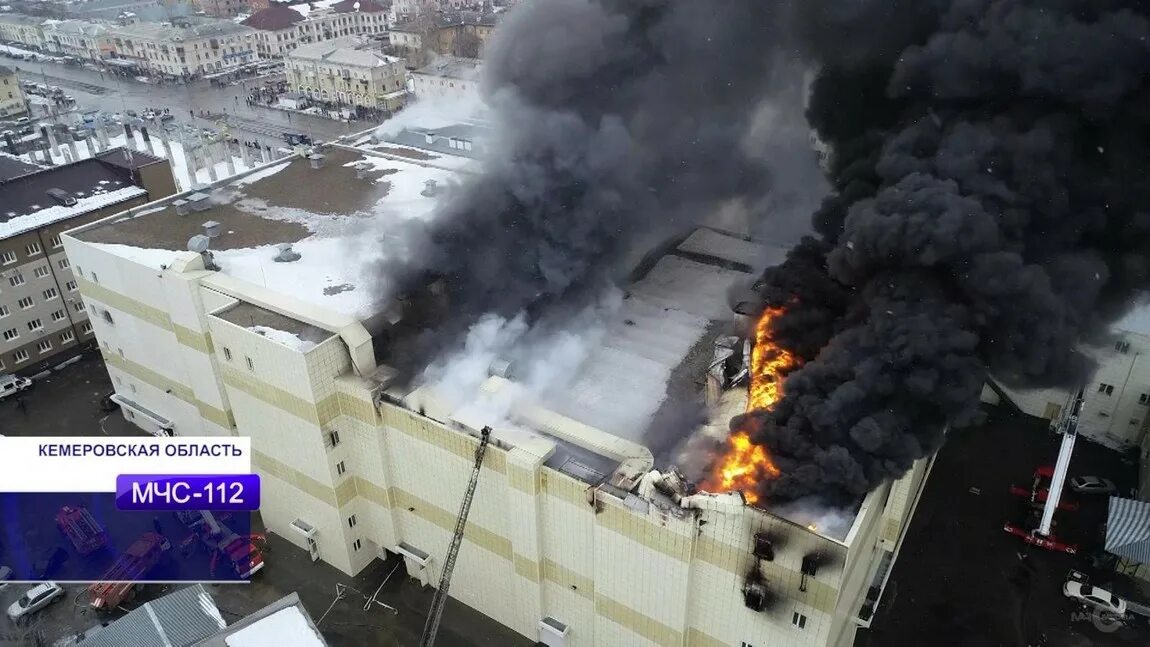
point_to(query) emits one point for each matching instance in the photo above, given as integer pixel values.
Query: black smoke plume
(991, 209)
(621, 123)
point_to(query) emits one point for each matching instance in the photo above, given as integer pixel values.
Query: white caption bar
(91, 463)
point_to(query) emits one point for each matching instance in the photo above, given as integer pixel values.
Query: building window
(95, 279)
(1144, 398)
(4, 311)
(1106, 388)
(16, 279)
(20, 356)
(59, 315)
(339, 468)
(44, 346)
(50, 294)
(799, 620)
(11, 334)
(35, 325)
(25, 303)
(67, 336)
(86, 327)
(356, 545)
(8, 257)
(1122, 346)
(78, 306)
(251, 364)
(332, 438)
(71, 285)
(56, 241)
(80, 270)
(63, 263)
(41, 271)
(227, 353)
(33, 249)
(351, 521)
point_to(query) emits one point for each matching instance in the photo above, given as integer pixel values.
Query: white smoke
(434, 112)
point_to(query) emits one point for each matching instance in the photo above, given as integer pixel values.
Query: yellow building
(12, 102)
(339, 71)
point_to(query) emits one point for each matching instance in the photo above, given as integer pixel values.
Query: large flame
(744, 464)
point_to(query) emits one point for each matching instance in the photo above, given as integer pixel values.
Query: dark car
(50, 563)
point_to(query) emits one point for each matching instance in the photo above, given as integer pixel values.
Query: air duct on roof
(211, 229)
(317, 160)
(430, 189)
(286, 254)
(199, 202)
(181, 207)
(361, 169)
(429, 138)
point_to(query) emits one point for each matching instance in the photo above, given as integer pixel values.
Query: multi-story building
(79, 38)
(12, 101)
(41, 312)
(573, 539)
(223, 8)
(347, 71)
(192, 49)
(18, 28)
(281, 28)
(452, 33)
(448, 78)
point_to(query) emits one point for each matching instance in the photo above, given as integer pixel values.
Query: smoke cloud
(991, 210)
(620, 123)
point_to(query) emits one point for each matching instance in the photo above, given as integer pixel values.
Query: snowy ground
(16, 50)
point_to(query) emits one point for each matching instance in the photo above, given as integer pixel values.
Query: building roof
(95, 183)
(451, 67)
(283, 623)
(1128, 529)
(174, 33)
(275, 17)
(358, 6)
(342, 51)
(6, 71)
(180, 619)
(12, 166)
(279, 203)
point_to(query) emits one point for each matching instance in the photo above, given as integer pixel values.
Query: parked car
(12, 384)
(34, 599)
(1092, 485)
(1094, 597)
(51, 562)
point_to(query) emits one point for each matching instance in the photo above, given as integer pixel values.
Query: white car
(11, 385)
(34, 599)
(1092, 485)
(1094, 597)
(5, 574)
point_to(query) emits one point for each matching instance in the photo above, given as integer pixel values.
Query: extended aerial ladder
(439, 601)
(1042, 536)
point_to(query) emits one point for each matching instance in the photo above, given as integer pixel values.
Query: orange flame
(744, 464)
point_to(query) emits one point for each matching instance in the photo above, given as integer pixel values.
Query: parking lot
(68, 404)
(961, 580)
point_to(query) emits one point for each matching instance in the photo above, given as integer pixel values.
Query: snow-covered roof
(1136, 321)
(285, 628)
(340, 232)
(342, 51)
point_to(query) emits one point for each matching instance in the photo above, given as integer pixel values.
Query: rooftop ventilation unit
(63, 197)
(199, 202)
(430, 189)
(286, 254)
(361, 169)
(317, 160)
(211, 229)
(181, 207)
(429, 138)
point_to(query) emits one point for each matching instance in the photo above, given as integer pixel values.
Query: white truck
(11, 385)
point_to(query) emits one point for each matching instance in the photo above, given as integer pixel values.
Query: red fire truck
(242, 553)
(121, 581)
(85, 533)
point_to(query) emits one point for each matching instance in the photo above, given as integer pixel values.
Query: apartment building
(19, 28)
(348, 72)
(448, 78)
(223, 8)
(79, 38)
(184, 50)
(449, 33)
(41, 312)
(12, 101)
(573, 538)
(281, 28)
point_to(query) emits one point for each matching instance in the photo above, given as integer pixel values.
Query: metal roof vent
(199, 202)
(361, 169)
(211, 229)
(181, 207)
(429, 138)
(430, 189)
(286, 254)
(317, 160)
(63, 197)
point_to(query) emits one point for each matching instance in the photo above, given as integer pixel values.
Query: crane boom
(439, 601)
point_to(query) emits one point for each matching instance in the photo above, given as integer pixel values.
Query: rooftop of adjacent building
(283, 622)
(41, 196)
(12, 166)
(350, 51)
(451, 67)
(186, 29)
(281, 15)
(444, 19)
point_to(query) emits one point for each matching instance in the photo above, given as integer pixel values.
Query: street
(111, 93)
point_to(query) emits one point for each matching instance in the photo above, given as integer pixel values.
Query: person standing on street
(21, 406)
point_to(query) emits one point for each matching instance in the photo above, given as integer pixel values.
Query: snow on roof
(1136, 321)
(306, 8)
(284, 338)
(56, 213)
(284, 628)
